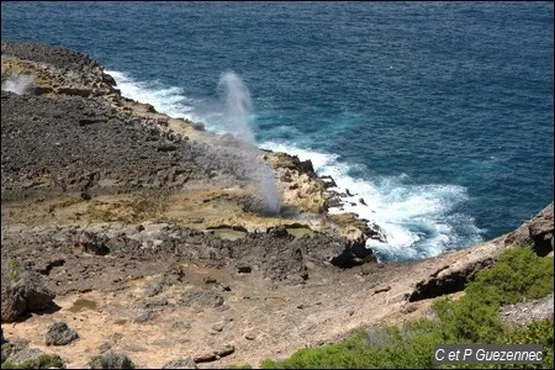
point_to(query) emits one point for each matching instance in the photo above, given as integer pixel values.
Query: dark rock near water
(328, 181)
(101, 134)
(59, 334)
(61, 58)
(536, 233)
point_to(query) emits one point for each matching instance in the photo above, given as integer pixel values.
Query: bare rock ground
(524, 313)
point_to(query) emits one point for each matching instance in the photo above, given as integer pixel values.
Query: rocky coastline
(120, 222)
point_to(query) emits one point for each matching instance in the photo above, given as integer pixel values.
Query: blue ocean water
(438, 114)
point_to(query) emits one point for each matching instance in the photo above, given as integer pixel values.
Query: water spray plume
(238, 105)
(18, 84)
(238, 108)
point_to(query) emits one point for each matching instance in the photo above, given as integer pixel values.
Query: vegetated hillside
(518, 276)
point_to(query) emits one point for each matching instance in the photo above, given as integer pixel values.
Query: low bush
(518, 274)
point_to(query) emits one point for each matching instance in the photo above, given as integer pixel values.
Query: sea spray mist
(18, 84)
(238, 108)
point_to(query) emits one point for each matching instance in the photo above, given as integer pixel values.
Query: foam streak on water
(419, 220)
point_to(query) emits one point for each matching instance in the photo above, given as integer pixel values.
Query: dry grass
(150, 205)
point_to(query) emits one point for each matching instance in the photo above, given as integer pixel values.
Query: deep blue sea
(438, 114)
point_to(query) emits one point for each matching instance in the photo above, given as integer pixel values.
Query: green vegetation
(43, 361)
(473, 318)
(241, 366)
(100, 360)
(15, 266)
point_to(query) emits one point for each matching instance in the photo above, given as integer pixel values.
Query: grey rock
(111, 360)
(157, 303)
(182, 363)
(182, 325)
(19, 355)
(219, 326)
(59, 334)
(95, 243)
(145, 317)
(203, 298)
(22, 291)
(154, 289)
(250, 336)
(523, 313)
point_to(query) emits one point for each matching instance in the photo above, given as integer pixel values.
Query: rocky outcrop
(84, 137)
(536, 233)
(523, 313)
(275, 254)
(23, 291)
(290, 162)
(215, 354)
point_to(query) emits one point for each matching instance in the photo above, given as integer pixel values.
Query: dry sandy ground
(279, 319)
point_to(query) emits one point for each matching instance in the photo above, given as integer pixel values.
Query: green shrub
(518, 274)
(44, 361)
(241, 366)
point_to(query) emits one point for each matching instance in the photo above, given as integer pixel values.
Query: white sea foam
(169, 100)
(415, 218)
(418, 220)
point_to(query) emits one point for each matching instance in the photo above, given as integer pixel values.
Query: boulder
(203, 298)
(146, 316)
(94, 243)
(18, 355)
(23, 291)
(111, 360)
(59, 334)
(182, 363)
